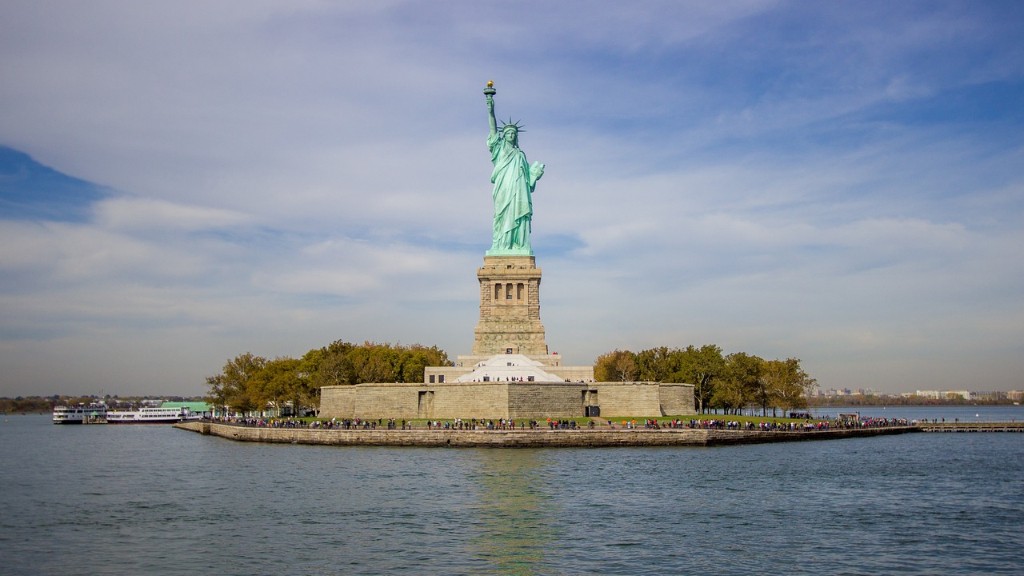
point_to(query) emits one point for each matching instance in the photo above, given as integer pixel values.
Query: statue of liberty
(514, 180)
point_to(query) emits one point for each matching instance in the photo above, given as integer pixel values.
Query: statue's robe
(513, 196)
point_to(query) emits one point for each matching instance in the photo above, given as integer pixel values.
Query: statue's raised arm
(489, 95)
(514, 180)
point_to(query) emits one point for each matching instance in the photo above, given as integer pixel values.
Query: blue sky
(841, 182)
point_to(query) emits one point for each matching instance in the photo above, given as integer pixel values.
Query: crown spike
(519, 127)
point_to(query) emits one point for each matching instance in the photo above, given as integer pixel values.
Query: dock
(971, 426)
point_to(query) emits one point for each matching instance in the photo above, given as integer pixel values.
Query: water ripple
(160, 501)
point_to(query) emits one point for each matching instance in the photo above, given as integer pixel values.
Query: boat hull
(152, 421)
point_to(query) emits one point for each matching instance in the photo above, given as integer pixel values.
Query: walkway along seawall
(582, 438)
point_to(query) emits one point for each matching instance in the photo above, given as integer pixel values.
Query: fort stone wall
(539, 401)
(676, 399)
(505, 400)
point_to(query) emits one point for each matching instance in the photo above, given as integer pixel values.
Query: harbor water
(156, 500)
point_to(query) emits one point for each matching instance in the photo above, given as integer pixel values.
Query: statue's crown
(514, 125)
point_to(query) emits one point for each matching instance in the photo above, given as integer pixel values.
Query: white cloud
(149, 215)
(760, 175)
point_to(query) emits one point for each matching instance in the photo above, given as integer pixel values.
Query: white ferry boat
(151, 415)
(80, 414)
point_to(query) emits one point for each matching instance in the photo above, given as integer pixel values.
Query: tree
(788, 384)
(218, 396)
(700, 367)
(232, 387)
(375, 362)
(657, 364)
(417, 358)
(278, 382)
(741, 385)
(617, 366)
(332, 366)
(728, 395)
(343, 363)
(731, 382)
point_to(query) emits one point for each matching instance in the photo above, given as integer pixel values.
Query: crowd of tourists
(480, 424)
(332, 424)
(502, 424)
(806, 426)
(565, 424)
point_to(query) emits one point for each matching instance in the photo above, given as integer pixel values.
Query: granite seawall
(542, 438)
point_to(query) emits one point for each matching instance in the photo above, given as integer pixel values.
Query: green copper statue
(514, 180)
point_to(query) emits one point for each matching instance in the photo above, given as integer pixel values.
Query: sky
(183, 182)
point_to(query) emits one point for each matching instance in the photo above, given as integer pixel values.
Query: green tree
(233, 388)
(416, 359)
(788, 384)
(701, 367)
(728, 396)
(344, 363)
(657, 364)
(741, 385)
(332, 366)
(375, 363)
(278, 382)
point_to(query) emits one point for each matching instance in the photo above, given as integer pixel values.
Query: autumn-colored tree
(617, 366)
(249, 383)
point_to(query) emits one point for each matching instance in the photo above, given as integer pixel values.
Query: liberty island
(500, 393)
(510, 385)
(510, 373)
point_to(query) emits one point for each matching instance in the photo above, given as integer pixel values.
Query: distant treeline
(887, 400)
(45, 404)
(730, 383)
(249, 383)
(31, 404)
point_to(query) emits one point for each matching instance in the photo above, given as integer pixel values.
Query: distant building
(201, 408)
(944, 394)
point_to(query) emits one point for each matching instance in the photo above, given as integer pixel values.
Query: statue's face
(511, 136)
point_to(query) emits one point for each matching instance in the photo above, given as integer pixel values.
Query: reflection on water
(517, 517)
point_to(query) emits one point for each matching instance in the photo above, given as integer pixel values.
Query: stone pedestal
(509, 308)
